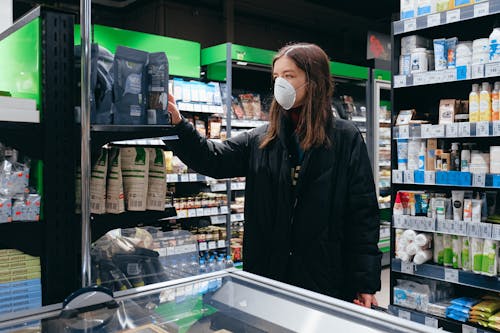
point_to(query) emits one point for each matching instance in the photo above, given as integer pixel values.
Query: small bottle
(439, 162)
(495, 45)
(474, 103)
(203, 267)
(194, 266)
(455, 157)
(211, 264)
(421, 156)
(220, 264)
(445, 161)
(495, 102)
(465, 158)
(485, 102)
(229, 262)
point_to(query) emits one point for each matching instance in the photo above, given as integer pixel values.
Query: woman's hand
(174, 112)
(365, 300)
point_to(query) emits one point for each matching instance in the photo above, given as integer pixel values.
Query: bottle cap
(486, 86)
(497, 85)
(475, 87)
(454, 146)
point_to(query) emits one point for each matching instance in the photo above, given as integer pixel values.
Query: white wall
(5, 14)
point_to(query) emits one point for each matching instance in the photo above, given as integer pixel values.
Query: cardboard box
(430, 159)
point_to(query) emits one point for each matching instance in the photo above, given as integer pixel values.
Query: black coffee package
(158, 89)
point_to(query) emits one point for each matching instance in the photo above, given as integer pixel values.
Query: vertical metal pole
(85, 8)
(229, 89)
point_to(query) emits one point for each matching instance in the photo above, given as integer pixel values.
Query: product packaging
(402, 154)
(491, 201)
(458, 199)
(418, 61)
(442, 5)
(466, 254)
(413, 154)
(477, 247)
(490, 257)
(457, 251)
(447, 110)
(430, 160)
(135, 166)
(157, 186)
(468, 210)
(447, 250)
(495, 45)
(405, 64)
(451, 47)
(115, 203)
(422, 256)
(158, 89)
(425, 7)
(440, 205)
(476, 210)
(440, 54)
(130, 86)
(438, 249)
(98, 184)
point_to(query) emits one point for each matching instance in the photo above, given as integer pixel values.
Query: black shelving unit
(423, 92)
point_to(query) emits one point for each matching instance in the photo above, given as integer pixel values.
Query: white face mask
(284, 93)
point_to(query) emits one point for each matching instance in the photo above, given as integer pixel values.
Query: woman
(311, 214)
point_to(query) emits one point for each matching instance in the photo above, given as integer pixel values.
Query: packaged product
(451, 47)
(479, 314)
(440, 54)
(402, 145)
(467, 302)
(438, 249)
(422, 256)
(130, 86)
(476, 210)
(457, 251)
(214, 128)
(447, 110)
(458, 199)
(98, 184)
(115, 203)
(489, 306)
(412, 295)
(135, 166)
(447, 250)
(33, 202)
(466, 260)
(477, 246)
(200, 127)
(157, 186)
(158, 89)
(5, 210)
(479, 321)
(442, 5)
(407, 9)
(490, 257)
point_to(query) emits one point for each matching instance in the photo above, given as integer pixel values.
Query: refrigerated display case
(227, 301)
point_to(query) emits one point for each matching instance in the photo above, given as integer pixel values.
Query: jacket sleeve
(362, 227)
(214, 159)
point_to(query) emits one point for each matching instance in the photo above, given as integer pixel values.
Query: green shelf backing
(20, 62)
(348, 71)
(183, 56)
(386, 104)
(381, 74)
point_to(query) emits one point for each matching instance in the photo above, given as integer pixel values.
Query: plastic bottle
(174, 270)
(495, 102)
(184, 268)
(418, 60)
(485, 102)
(474, 103)
(229, 262)
(220, 264)
(465, 158)
(495, 45)
(421, 156)
(203, 267)
(211, 265)
(194, 266)
(455, 157)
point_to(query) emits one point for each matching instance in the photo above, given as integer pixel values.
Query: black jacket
(323, 234)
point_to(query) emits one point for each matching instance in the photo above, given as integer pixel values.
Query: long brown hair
(316, 115)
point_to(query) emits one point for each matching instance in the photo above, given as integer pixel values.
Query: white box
(23, 116)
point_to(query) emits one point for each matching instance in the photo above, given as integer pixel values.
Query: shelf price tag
(404, 132)
(452, 130)
(404, 314)
(486, 230)
(468, 329)
(492, 69)
(495, 232)
(438, 131)
(481, 9)
(184, 178)
(409, 177)
(464, 129)
(221, 243)
(193, 177)
(407, 268)
(473, 229)
(182, 213)
(477, 71)
(399, 81)
(192, 212)
(426, 131)
(419, 79)
(172, 178)
(200, 212)
(461, 72)
(223, 210)
(483, 128)
(433, 20)
(203, 246)
(496, 128)
(205, 108)
(451, 275)
(397, 221)
(212, 245)
(429, 177)
(431, 322)
(397, 176)
(453, 16)
(478, 180)
(450, 75)
(410, 25)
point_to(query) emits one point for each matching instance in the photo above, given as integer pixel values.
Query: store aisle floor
(383, 296)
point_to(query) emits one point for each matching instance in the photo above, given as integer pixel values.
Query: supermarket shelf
(24, 236)
(102, 134)
(212, 245)
(25, 137)
(152, 143)
(447, 324)
(101, 224)
(450, 16)
(245, 123)
(461, 73)
(454, 179)
(451, 275)
(235, 186)
(200, 108)
(482, 129)
(238, 217)
(200, 212)
(187, 178)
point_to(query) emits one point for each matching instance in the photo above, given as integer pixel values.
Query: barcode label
(135, 204)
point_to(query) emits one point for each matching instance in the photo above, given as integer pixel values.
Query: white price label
(404, 315)
(200, 212)
(496, 128)
(205, 108)
(431, 322)
(397, 177)
(450, 75)
(212, 245)
(407, 268)
(483, 128)
(409, 177)
(451, 275)
(197, 107)
(221, 243)
(449, 226)
(492, 69)
(426, 131)
(464, 129)
(429, 177)
(481, 9)
(203, 246)
(430, 225)
(461, 228)
(184, 178)
(495, 232)
(192, 212)
(193, 177)
(218, 219)
(182, 213)
(218, 187)
(486, 230)
(440, 226)
(172, 178)
(477, 71)
(399, 81)
(452, 130)
(453, 16)
(404, 132)
(473, 229)
(438, 131)
(223, 210)
(410, 25)
(398, 221)
(419, 79)
(432, 77)
(433, 20)
(214, 211)
(207, 211)
(478, 180)
(468, 329)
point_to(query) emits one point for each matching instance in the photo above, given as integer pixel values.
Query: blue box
(441, 177)
(453, 177)
(493, 180)
(419, 176)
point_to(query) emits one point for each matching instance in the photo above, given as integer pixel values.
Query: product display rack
(423, 91)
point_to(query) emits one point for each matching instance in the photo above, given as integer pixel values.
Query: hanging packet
(157, 185)
(98, 184)
(115, 203)
(158, 89)
(129, 70)
(135, 166)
